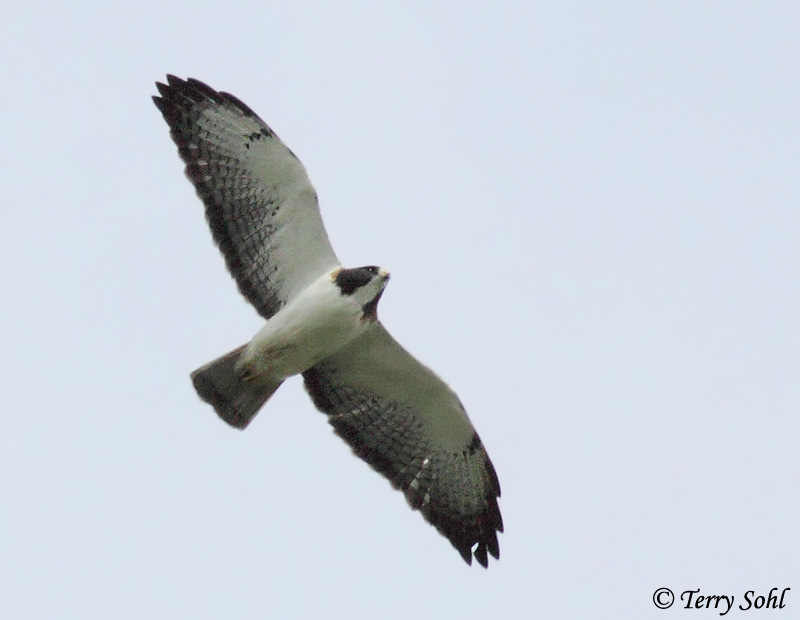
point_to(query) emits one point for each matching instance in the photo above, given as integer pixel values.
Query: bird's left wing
(260, 204)
(410, 426)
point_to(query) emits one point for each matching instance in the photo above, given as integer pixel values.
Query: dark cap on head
(350, 280)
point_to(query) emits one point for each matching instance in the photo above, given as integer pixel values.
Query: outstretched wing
(410, 426)
(260, 204)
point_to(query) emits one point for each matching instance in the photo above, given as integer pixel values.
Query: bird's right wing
(260, 204)
(410, 426)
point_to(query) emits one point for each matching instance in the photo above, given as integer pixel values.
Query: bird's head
(364, 285)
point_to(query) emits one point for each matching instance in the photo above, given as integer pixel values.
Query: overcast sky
(591, 213)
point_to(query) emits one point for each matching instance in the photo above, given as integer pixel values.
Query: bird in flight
(322, 323)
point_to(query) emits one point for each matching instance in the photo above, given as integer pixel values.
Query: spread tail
(235, 400)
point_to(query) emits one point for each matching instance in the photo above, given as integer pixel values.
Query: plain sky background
(591, 212)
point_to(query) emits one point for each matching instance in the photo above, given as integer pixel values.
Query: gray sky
(590, 212)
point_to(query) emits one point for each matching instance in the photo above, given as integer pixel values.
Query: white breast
(311, 327)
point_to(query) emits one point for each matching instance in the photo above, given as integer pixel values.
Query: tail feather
(235, 400)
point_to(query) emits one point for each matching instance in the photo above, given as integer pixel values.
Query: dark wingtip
(480, 555)
(494, 547)
(195, 91)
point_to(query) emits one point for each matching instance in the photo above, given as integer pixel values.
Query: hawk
(322, 323)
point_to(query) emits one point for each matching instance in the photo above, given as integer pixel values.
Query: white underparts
(314, 325)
